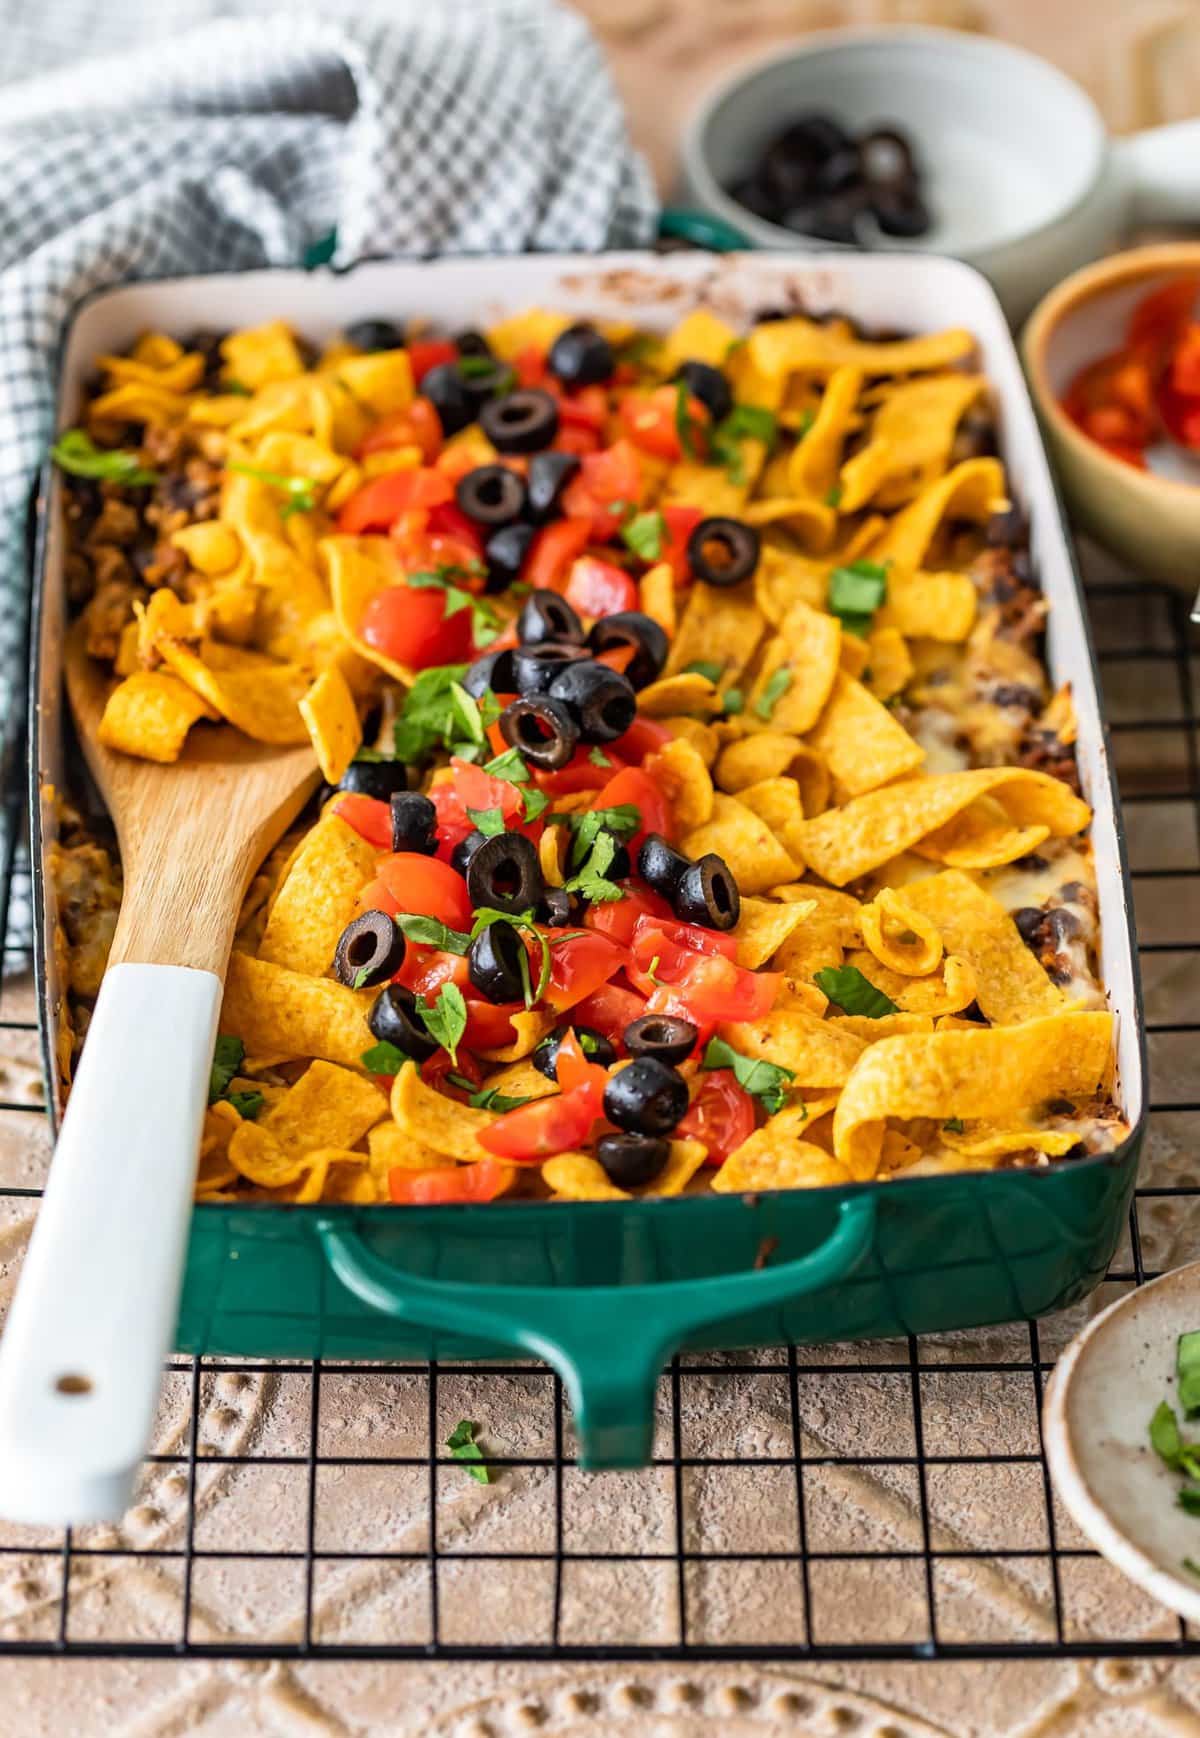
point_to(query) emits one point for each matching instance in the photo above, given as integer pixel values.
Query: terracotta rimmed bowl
(1099, 1403)
(1151, 519)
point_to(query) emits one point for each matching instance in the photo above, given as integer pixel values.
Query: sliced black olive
(375, 778)
(491, 495)
(393, 1019)
(374, 335)
(542, 729)
(840, 170)
(834, 218)
(632, 628)
(708, 894)
(581, 356)
(887, 159)
(414, 823)
(494, 963)
(547, 616)
(902, 214)
(709, 385)
(464, 851)
(495, 671)
(631, 1160)
(670, 1040)
(1029, 921)
(661, 866)
(647, 1098)
(472, 343)
(446, 390)
(549, 474)
(505, 552)
(723, 551)
(370, 949)
(594, 1046)
(975, 437)
(535, 667)
(817, 133)
(555, 908)
(602, 700)
(524, 421)
(505, 874)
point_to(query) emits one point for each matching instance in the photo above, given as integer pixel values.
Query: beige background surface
(1142, 62)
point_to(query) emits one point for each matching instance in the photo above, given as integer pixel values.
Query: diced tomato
(579, 965)
(606, 485)
(598, 588)
(547, 1126)
(721, 1115)
(669, 999)
(715, 989)
(616, 918)
(427, 353)
(443, 1184)
(530, 366)
(1180, 413)
(587, 408)
(553, 550)
(410, 626)
(489, 1024)
(572, 1068)
(575, 438)
(609, 1010)
(650, 419)
(418, 426)
(435, 1069)
(650, 931)
(370, 818)
(1157, 323)
(426, 887)
(634, 785)
(680, 523)
(644, 736)
(579, 774)
(379, 503)
(1185, 363)
(426, 969)
(448, 519)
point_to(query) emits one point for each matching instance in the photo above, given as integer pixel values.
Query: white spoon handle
(83, 1348)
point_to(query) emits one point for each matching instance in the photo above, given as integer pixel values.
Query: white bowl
(1022, 179)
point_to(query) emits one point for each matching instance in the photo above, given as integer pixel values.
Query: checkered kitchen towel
(205, 135)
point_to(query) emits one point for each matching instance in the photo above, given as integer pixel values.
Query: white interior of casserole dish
(910, 293)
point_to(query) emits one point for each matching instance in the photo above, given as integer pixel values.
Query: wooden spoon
(83, 1348)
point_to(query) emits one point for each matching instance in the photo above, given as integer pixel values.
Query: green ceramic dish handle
(608, 1343)
(701, 229)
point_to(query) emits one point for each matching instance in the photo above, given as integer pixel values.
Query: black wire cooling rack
(982, 1589)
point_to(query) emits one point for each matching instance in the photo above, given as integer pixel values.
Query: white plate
(1099, 1403)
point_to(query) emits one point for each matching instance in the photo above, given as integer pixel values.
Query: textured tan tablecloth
(664, 52)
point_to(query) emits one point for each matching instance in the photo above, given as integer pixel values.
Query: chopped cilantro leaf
(510, 766)
(954, 1125)
(383, 1058)
(704, 667)
(685, 428)
(445, 1019)
(429, 716)
(1187, 1373)
(1189, 1499)
(733, 700)
(535, 803)
(301, 492)
(833, 495)
(228, 1053)
(855, 593)
(1192, 1567)
(75, 452)
(488, 821)
(485, 623)
(762, 1080)
(623, 820)
(431, 932)
(644, 535)
(491, 1098)
(592, 883)
(247, 1104)
(774, 691)
(744, 422)
(807, 417)
(467, 710)
(461, 1440)
(850, 991)
(598, 757)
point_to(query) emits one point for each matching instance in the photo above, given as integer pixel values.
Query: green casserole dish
(606, 1292)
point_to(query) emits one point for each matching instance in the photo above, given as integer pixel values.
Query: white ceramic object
(92, 1320)
(1022, 177)
(1099, 1403)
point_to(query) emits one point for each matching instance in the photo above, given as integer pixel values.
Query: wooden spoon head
(193, 832)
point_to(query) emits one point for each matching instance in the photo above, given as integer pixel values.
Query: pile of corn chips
(846, 763)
